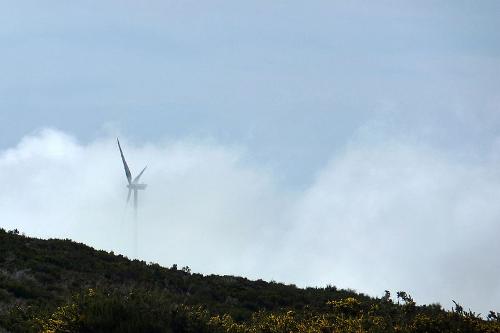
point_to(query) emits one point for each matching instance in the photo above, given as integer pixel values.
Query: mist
(379, 215)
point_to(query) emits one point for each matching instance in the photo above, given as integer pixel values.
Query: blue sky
(353, 143)
(291, 81)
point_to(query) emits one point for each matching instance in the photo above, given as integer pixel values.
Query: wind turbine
(133, 185)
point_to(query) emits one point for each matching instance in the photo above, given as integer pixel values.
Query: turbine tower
(133, 185)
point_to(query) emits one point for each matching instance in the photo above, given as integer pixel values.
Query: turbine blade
(127, 170)
(128, 196)
(136, 179)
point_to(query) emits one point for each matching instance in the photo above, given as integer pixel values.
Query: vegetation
(62, 286)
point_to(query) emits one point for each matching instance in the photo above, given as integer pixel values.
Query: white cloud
(395, 216)
(403, 217)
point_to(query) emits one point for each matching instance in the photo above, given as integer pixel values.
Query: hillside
(62, 286)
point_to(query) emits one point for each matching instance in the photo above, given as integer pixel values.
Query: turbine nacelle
(137, 186)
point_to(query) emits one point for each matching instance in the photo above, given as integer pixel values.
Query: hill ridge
(59, 285)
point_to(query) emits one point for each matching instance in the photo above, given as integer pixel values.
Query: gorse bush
(145, 312)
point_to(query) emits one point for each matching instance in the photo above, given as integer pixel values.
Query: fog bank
(391, 215)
